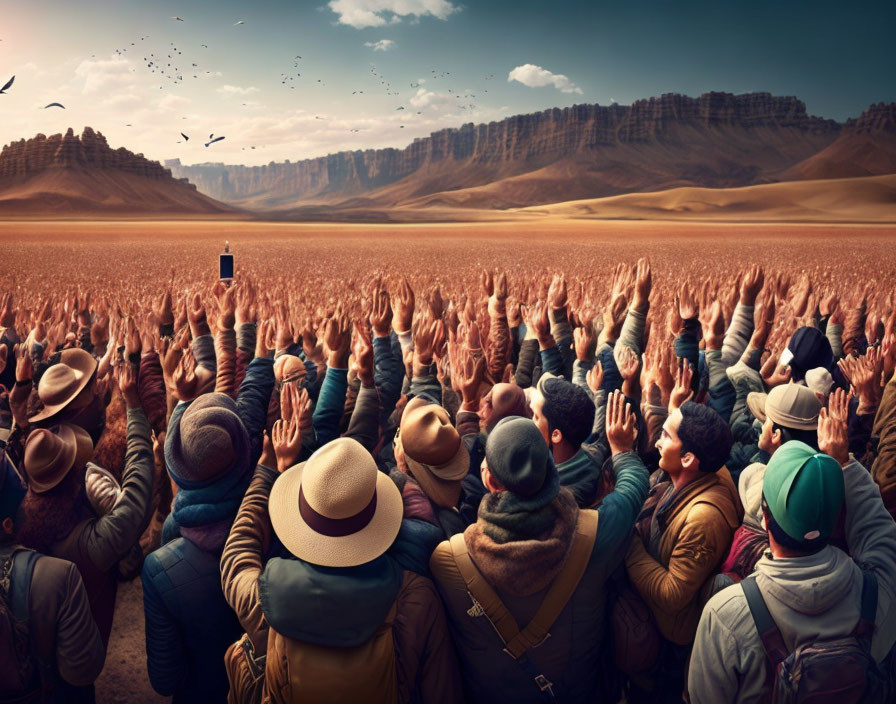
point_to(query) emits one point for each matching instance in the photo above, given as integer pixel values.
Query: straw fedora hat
(51, 453)
(434, 452)
(62, 382)
(336, 509)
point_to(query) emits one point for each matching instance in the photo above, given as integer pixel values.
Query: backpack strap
(487, 603)
(771, 637)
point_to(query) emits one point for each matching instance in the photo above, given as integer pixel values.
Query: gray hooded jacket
(810, 598)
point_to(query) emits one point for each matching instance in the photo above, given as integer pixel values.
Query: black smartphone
(225, 266)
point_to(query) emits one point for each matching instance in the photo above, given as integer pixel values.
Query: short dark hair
(704, 433)
(568, 409)
(810, 437)
(805, 547)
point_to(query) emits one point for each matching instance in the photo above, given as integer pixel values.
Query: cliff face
(525, 143)
(29, 157)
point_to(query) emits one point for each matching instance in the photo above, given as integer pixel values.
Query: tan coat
(884, 468)
(697, 538)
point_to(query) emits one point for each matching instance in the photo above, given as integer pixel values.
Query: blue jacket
(189, 625)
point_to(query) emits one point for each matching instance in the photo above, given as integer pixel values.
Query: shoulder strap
(562, 588)
(487, 603)
(772, 640)
(21, 582)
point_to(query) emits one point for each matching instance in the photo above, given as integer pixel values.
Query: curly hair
(568, 409)
(704, 433)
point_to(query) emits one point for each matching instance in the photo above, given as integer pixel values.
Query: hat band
(335, 527)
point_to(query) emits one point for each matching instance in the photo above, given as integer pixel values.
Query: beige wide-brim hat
(756, 404)
(336, 509)
(62, 382)
(789, 405)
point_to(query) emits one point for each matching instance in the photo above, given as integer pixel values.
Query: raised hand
(468, 378)
(363, 351)
(126, 377)
(751, 285)
(557, 292)
(337, 338)
(497, 302)
(621, 426)
(687, 306)
(24, 364)
(266, 338)
(542, 325)
(682, 390)
(404, 307)
(583, 338)
(197, 317)
(595, 377)
(714, 333)
(629, 363)
(643, 284)
(381, 313)
(833, 437)
(163, 310)
(287, 440)
(227, 307)
(7, 313)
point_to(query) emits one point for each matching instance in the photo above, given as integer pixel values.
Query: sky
(296, 79)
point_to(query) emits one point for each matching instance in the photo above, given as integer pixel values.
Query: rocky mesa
(67, 175)
(583, 151)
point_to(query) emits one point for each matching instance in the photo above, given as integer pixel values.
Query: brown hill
(65, 175)
(866, 147)
(716, 140)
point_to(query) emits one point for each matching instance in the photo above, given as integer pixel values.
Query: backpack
(319, 674)
(839, 670)
(517, 642)
(20, 675)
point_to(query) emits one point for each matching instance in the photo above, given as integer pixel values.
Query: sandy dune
(870, 199)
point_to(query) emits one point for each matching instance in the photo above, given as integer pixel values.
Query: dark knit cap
(206, 441)
(518, 457)
(810, 349)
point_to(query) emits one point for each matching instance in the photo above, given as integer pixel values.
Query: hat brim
(756, 404)
(87, 369)
(443, 492)
(791, 421)
(70, 445)
(344, 551)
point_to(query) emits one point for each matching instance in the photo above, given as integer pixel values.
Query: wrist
(200, 329)
(545, 342)
(338, 360)
(367, 380)
(381, 333)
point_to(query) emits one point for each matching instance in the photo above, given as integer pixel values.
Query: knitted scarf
(520, 544)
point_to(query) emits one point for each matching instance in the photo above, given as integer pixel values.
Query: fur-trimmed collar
(528, 565)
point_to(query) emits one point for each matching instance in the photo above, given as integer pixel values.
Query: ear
(689, 461)
(7, 525)
(776, 438)
(556, 436)
(489, 480)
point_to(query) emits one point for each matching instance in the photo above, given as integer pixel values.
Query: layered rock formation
(718, 139)
(82, 175)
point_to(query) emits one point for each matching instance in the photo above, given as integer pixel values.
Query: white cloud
(537, 77)
(425, 99)
(105, 75)
(381, 45)
(206, 75)
(376, 13)
(174, 102)
(236, 90)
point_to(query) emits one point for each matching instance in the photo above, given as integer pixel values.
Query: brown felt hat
(434, 452)
(336, 509)
(62, 382)
(51, 453)
(789, 405)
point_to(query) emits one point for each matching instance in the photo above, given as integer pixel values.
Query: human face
(669, 445)
(537, 406)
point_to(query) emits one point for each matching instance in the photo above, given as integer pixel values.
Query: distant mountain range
(590, 154)
(718, 140)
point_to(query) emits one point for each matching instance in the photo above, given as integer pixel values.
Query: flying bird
(177, 18)
(239, 22)
(216, 139)
(8, 84)
(185, 137)
(56, 105)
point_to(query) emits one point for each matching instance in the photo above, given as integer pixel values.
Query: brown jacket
(697, 538)
(424, 657)
(62, 628)
(884, 468)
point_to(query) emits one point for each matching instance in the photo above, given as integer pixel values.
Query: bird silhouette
(239, 22)
(177, 18)
(56, 105)
(216, 139)
(184, 136)
(8, 84)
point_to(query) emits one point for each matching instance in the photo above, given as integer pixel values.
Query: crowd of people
(448, 495)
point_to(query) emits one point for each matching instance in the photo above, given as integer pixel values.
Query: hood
(333, 606)
(809, 585)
